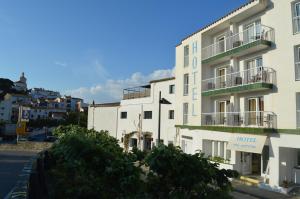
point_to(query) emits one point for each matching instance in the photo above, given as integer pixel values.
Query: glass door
(220, 44)
(254, 70)
(221, 78)
(246, 163)
(252, 32)
(222, 106)
(252, 111)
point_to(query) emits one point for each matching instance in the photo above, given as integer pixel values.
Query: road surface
(11, 165)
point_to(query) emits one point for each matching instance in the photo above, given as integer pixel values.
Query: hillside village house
(136, 116)
(237, 94)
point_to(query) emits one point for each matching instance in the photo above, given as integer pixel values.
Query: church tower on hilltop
(21, 85)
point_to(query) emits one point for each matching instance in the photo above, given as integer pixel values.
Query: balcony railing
(137, 92)
(298, 119)
(245, 77)
(297, 69)
(296, 24)
(260, 119)
(255, 33)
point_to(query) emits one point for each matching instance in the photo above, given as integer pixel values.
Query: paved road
(11, 164)
(238, 195)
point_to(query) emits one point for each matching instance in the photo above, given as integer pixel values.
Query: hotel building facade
(237, 97)
(238, 91)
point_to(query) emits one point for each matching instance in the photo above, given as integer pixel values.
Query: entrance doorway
(147, 143)
(251, 163)
(256, 164)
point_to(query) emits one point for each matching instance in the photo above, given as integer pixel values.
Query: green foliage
(76, 118)
(139, 155)
(39, 123)
(89, 164)
(219, 159)
(72, 118)
(175, 174)
(6, 84)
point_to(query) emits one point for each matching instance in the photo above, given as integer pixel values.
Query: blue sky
(94, 48)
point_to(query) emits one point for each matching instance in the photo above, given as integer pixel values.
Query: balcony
(258, 78)
(255, 119)
(253, 39)
(297, 69)
(136, 92)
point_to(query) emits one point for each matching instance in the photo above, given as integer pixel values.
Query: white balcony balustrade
(258, 119)
(297, 69)
(240, 78)
(252, 34)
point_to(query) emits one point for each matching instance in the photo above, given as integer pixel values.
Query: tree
(174, 174)
(76, 118)
(90, 164)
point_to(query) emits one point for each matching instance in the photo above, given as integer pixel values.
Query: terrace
(137, 92)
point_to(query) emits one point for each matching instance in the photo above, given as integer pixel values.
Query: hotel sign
(247, 143)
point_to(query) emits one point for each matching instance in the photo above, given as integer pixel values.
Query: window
(147, 114)
(187, 144)
(172, 89)
(298, 154)
(185, 84)
(297, 63)
(171, 114)
(296, 17)
(123, 115)
(186, 55)
(298, 110)
(185, 113)
(133, 142)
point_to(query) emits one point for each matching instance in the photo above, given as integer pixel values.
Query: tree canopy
(89, 164)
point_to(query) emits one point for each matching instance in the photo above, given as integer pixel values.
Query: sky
(94, 48)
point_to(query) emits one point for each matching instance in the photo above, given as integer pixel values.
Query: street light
(160, 102)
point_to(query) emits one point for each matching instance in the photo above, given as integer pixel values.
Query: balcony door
(255, 111)
(253, 68)
(252, 32)
(221, 77)
(222, 109)
(220, 44)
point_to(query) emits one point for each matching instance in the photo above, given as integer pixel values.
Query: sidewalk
(258, 193)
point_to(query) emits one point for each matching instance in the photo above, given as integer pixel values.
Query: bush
(89, 164)
(175, 174)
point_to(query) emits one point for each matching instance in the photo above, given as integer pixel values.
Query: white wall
(103, 118)
(136, 107)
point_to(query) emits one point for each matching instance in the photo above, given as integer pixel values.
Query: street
(11, 164)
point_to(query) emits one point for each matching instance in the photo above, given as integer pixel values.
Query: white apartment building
(137, 115)
(238, 92)
(41, 93)
(9, 107)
